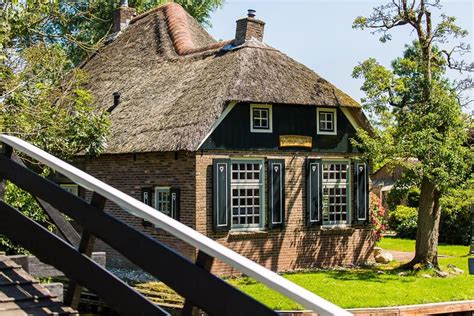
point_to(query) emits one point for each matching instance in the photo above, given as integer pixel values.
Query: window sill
(337, 230)
(243, 235)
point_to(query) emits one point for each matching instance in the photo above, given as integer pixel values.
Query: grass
(377, 286)
(408, 245)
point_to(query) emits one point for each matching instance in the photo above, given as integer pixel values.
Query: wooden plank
(64, 227)
(86, 245)
(53, 250)
(179, 273)
(7, 152)
(205, 262)
(419, 309)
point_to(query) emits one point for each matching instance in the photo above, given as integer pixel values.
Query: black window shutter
(146, 196)
(314, 200)
(174, 203)
(221, 194)
(276, 193)
(361, 187)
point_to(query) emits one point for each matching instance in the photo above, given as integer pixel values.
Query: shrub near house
(455, 223)
(234, 139)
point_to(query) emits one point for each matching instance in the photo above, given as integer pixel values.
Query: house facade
(232, 138)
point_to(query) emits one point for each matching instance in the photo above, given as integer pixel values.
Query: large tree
(43, 98)
(418, 110)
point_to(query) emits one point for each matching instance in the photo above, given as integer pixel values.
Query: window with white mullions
(260, 118)
(326, 121)
(162, 200)
(247, 194)
(336, 206)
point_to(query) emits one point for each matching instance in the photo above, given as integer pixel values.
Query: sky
(319, 34)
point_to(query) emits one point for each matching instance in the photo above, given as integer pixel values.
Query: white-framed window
(326, 121)
(247, 194)
(261, 118)
(162, 200)
(336, 192)
(71, 188)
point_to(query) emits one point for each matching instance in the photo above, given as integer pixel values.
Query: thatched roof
(175, 81)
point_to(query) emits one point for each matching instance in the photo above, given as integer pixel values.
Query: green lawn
(399, 244)
(368, 288)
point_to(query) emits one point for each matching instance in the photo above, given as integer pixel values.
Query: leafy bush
(413, 197)
(455, 227)
(403, 221)
(377, 216)
(25, 203)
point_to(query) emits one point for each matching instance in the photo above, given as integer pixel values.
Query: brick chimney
(248, 28)
(122, 16)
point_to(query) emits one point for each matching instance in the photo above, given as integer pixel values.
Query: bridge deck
(21, 294)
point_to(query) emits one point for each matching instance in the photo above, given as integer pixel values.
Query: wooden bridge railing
(191, 280)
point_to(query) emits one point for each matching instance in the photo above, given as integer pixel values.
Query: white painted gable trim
(350, 118)
(218, 122)
(231, 105)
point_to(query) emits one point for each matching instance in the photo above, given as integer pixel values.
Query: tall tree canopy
(418, 110)
(43, 98)
(41, 92)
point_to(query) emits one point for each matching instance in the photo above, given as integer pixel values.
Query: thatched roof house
(234, 139)
(175, 81)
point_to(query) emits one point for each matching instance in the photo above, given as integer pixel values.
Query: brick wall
(296, 246)
(248, 28)
(131, 172)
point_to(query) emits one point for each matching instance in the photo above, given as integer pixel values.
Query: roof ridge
(177, 21)
(177, 24)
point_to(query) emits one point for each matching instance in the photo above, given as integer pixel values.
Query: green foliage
(43, 99)
(413, 197)
(45, 103)
(377, 216)
(455, 227)
(433, 132)
(403, 221)
(77, 26)
(368, 287)
(24, 202)
(455, 223)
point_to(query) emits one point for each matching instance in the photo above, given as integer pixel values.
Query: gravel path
(406, 256)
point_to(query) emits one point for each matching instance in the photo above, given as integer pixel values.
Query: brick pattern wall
(248, 28)
(296, 246)
(130, 173)
(292, 248)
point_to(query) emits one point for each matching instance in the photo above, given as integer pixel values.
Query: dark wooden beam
(73, 294)
(52, 250)
(7, 151)
(64, 227)
(205, 290)
(204, 261)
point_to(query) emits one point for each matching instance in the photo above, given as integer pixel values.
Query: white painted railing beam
(271, 279)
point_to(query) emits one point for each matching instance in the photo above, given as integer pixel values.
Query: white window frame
(162, 189)
(71, 188)
(334, 122)
(270, 118)
(246, 184)
(330, 183)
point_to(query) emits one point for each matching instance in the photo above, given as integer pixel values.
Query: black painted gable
(233, 133)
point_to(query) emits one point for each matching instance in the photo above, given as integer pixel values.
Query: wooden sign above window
(296, 141)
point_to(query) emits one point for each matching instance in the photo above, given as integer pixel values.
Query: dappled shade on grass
(377, 286)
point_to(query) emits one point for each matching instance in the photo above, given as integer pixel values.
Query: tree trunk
(429, 213)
